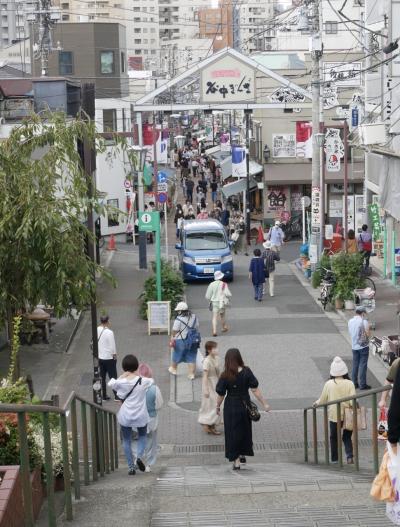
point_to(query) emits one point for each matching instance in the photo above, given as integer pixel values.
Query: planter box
(11, 500)
(11, 503)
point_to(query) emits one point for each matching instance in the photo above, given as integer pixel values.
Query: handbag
(235, 236)
(361, 418)
(252, 410)
(382, 489)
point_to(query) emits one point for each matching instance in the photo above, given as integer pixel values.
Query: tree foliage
(43, 207)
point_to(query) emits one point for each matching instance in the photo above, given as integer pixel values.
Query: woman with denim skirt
(182, 351)
(131, 390)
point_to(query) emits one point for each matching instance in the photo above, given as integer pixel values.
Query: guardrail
(98, 429)
(354, 400)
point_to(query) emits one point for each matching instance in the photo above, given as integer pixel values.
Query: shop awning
(237, 186)
(300, 173)
(226, 168)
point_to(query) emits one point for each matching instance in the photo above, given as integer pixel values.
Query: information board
(159, 317)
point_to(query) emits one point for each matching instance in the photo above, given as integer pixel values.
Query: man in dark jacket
(257, 274)
(189, 189)
(270, 257)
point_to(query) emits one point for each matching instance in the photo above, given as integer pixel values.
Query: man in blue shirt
(257, 274)
(276, 236)
(359, 333)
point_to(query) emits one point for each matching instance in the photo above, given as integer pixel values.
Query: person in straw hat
(218, 295)
(338, 387)
(184, 321)
(270, 257)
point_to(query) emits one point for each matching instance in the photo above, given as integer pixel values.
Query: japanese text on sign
(375, 221)
(227, 80)
(316, 208)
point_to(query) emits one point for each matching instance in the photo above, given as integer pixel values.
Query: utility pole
(247, 204)
(46, 16)
(316, 54)
(88, 156)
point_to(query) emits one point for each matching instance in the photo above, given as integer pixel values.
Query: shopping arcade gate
(226, 80)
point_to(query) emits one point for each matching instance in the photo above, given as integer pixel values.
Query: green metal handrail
(104, 449)
(354, 402)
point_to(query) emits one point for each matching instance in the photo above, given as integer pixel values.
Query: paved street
(288, 342)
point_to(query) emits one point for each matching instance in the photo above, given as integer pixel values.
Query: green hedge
(172, 287)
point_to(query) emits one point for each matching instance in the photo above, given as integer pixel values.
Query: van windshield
(202, 241)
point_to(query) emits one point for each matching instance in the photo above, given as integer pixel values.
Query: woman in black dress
(233, 386)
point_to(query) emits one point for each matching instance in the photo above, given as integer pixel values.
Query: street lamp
(140, 153)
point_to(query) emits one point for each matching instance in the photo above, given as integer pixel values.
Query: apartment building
(218, 24)
(91, 52)
(254, 19)
(14, 26)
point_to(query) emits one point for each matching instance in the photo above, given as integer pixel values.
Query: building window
(138, 51)
(113, 216)
(66, 62)
(123, 120)
(331, 28)
(137, 30)
(122, 62)
(110, 120)
(138, 41)
(107, 62)
(65, 18)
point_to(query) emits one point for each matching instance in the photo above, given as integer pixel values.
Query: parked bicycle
(326, 287)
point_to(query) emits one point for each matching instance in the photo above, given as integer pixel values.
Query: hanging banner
(334, 149)
(375, 220)
(330, 97)
(162, 151)
(225, 143)
(342, 73)
(304, 139)
(239, 168)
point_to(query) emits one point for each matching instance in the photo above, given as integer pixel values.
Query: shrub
(316, 278)
(172, 287)
(347, 269)
(9, 442)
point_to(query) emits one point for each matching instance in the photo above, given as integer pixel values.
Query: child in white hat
(338, 387)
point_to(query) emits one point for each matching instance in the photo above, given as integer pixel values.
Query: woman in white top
(184, 321)
(131, 390)
(208, 416)
(218, 295)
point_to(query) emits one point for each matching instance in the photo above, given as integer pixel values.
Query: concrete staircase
(200, 491)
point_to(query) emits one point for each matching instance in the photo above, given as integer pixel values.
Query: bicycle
(326, 288)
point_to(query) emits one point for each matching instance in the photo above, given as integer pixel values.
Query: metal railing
(355, 436)
(97, 432)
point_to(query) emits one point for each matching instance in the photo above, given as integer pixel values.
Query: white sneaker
(148, 469)
(172, 371)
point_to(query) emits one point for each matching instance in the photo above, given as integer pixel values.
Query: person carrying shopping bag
(270, 257)
(208, 416)
(218, 295)
(131, 389)
(338, 387)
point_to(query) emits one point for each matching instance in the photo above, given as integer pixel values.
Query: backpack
(193, 337)
(366, 246)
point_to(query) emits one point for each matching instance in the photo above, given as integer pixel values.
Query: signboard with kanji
(227, 80)
(373, 211)
(316, 209)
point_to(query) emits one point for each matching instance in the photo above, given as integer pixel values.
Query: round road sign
(127, 183)
(162, 197)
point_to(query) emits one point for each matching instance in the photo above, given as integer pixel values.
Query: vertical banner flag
(239, 161)
(162, 151)
(375, 220)
(304, 139)
(225, 143)
(334, 149)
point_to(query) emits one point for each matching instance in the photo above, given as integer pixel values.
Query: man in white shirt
(107, 353)
(276, 236)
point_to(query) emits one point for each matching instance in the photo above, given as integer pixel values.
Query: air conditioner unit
(373, 134)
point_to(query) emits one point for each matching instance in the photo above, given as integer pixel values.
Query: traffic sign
(127, 183)
(162, 187)
(162, 197)
(149, 221)
(162, 177)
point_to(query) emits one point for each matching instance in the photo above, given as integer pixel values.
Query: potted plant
(347, 269)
